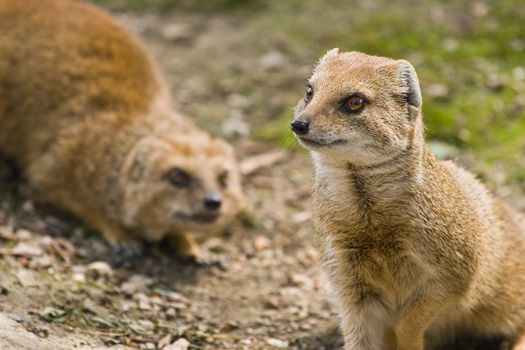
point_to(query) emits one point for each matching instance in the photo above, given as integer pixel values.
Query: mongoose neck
(380, 184)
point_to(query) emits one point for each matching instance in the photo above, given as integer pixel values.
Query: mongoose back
(417, 250)
(86, 116)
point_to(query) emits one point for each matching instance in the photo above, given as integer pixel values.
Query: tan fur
(87, 117)
(417, 250)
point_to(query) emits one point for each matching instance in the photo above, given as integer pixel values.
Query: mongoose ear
(329, 54)
(136, 164)
(408, 75)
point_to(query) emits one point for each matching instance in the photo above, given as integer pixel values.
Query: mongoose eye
(178, 178)
(354, 104)
(223, 179)
(309, 93)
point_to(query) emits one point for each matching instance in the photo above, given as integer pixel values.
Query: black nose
(300, 127)
(212, 202)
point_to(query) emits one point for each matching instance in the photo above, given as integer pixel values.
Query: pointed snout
(300, 126)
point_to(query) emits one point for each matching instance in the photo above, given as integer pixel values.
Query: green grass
(479, 58)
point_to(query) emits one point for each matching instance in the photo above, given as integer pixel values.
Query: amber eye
(309, 93)
(223, 179)
(179, 178)
(354, 104)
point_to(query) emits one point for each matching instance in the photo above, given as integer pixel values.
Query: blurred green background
(470, 57)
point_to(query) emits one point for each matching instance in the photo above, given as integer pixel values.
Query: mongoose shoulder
(87, 117)
(417, 250)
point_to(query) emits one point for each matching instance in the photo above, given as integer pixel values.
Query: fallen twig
(64, 249)
(252, 164)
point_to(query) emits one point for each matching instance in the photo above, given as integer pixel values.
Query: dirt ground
(262, 288)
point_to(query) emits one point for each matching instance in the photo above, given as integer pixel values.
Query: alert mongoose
(417, 250)
(87, 117)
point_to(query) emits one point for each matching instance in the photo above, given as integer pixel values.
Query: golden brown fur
(88, 119)
(417, 250)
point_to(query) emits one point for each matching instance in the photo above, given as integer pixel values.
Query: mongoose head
(187, 183)
(359, 108)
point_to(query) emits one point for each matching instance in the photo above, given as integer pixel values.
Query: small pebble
(170, 313)
(180, 344)
(149, 346)
(99, 269)
(278, 343)
(261, 243)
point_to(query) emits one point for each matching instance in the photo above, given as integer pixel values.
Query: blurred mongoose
(86, 116)
(417, 250)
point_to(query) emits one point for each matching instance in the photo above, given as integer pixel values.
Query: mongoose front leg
(365, 327)
(185, 245)
(123, 242)
(114, 234)
(410, 329)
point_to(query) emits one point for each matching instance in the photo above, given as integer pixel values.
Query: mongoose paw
(185, 246)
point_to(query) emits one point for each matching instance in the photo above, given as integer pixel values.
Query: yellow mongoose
(86, 116)
(417, 250)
